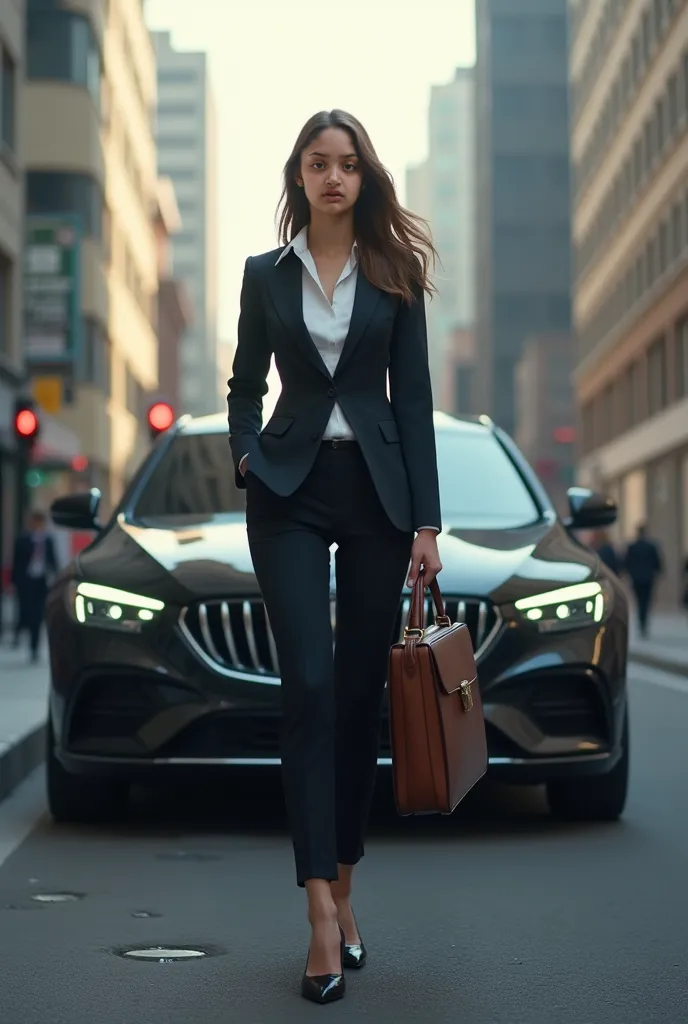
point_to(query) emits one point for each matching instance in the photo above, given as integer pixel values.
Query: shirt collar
(300, 246)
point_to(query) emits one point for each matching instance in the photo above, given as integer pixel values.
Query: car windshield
(194, 479)
(480, 488)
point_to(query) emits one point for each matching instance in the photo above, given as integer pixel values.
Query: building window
(177, 109)
(682, 359)
(8, 100)
(61, 46)
(676, 231)
(56, 192)
(5, 279)
(186, 142)
(95, 357)
(177, 76)
(657, 376)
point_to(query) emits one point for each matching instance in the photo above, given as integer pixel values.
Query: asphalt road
(496, 915)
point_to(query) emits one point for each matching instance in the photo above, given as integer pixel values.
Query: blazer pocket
(278, 425)
(389, 430)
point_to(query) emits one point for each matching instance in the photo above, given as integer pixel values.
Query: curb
(18, 759)
(675, 668)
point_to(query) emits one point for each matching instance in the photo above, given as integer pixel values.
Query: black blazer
(395, 433)
(23, 553)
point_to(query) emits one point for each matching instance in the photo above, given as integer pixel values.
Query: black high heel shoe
(355, 953)
(325, 988)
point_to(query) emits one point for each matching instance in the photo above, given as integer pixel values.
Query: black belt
(339, 442)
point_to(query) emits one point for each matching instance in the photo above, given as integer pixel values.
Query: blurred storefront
(629, 88)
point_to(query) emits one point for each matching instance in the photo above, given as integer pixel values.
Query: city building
(629, 148)
(187, 153)
(545, 412)
(442, 190)
(523, 190)
(174, 306)
(90, 200)
(225, 359)
(11, 242)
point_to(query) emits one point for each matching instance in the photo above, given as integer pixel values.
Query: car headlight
(93, 604)
(572, 607)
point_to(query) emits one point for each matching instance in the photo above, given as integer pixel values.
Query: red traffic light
(160, 417)
(26, 423)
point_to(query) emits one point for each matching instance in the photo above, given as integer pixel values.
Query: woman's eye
(317, 165)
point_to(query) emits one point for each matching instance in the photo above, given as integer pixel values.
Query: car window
(480, 487)
(194, 477)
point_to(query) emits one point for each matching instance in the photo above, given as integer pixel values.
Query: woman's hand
(424, 554)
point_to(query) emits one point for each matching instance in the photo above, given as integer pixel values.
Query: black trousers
(331, 698)
(31, 597)
(643, 598)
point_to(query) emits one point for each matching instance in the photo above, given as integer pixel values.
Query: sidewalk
(666, 647)
(23, 704)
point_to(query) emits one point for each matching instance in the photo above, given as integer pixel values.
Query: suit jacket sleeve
(411, 398)
(248, 383)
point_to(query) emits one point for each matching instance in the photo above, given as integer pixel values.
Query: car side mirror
(590, 509)
(77, 511)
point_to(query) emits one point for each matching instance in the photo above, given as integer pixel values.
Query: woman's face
(330, 173)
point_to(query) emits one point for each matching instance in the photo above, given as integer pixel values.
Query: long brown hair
(395, 247)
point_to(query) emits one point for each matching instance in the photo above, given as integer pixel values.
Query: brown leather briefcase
(439, 749)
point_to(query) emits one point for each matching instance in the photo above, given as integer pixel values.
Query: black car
(163, 660)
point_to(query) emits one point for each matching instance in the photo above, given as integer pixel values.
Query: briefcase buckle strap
(412, 633)
(466, 694)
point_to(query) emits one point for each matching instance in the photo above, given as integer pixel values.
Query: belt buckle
(335, 442)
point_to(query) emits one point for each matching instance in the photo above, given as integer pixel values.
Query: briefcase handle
(415, 626)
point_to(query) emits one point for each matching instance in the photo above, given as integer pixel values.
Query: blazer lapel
(365, 302)
(286, 291)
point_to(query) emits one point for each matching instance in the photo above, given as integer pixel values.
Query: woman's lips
(332, 196)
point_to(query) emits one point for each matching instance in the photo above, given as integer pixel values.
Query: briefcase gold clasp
(413, 634)
(466, 694)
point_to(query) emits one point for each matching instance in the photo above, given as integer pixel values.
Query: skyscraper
(185, 133)
(441, 189)
(523, 195)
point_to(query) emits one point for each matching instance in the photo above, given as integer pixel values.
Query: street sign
(52, 289)
(48, 393)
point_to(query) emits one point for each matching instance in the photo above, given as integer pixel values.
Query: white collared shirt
(327, 323)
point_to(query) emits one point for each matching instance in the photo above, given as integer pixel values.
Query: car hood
(182, 561)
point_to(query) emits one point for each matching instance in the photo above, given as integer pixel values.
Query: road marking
(20, 813)
(658, 677)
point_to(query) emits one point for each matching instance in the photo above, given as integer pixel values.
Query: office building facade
(185, 132)
(90, 191)
(629, 145)
(11, 242)
(523, 260)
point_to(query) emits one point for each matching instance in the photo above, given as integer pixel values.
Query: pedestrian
(606, 551)
(341, 305)
(643, 563)
(33, 564)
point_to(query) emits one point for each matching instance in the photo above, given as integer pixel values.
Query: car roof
(217, 423)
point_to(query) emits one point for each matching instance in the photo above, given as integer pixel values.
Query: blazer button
(332, 392)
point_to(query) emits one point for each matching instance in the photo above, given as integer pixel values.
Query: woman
(341, 306)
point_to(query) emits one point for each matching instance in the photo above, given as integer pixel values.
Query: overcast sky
(273, 63)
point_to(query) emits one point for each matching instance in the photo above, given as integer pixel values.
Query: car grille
(235, 636)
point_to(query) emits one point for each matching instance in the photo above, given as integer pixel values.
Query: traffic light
(160, 418)
(27, 425)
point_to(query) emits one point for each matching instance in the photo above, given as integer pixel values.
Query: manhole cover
(57, 897)
(162, 954)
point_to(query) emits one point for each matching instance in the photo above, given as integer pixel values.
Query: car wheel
(601, 798)
(76, 799)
